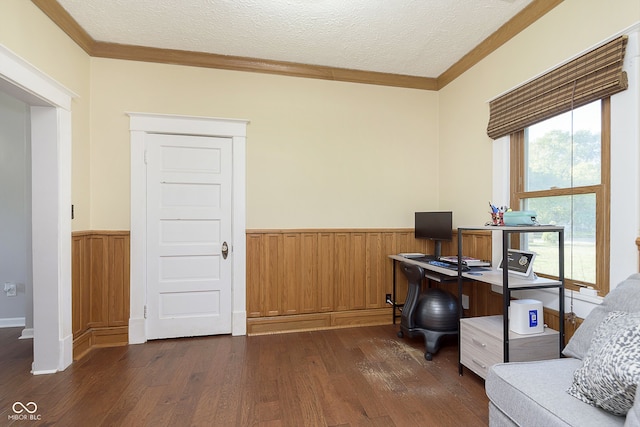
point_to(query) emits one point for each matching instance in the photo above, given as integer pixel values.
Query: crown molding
(94, 48)
(527, 16)
(240, 63)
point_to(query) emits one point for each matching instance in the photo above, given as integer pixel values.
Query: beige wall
(568, 30)
(319, 153)
(27, 32)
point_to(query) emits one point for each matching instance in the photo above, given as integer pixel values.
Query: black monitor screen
(434, 225)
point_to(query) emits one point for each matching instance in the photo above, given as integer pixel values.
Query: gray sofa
(593, 385)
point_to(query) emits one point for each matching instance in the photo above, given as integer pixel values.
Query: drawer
(478, 349)
(481, 344)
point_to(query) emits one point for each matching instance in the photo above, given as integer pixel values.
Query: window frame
(602, 193)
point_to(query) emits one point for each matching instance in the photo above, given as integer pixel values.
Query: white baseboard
(137, 334)
(65, 358)
(44, 372)
(12, 322)
(239, 323)
(27, 334)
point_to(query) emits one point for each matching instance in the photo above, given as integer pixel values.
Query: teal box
(520, 218)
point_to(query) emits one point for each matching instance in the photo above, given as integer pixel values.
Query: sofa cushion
(534, 394)
(610, 371)
(625, 297)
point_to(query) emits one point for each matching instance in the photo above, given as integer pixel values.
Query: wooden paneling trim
(99, 337)
(60, 17)
(254, 231)
(121, 233)
(81, 344)
(309, 292)
(80, 301)
(98, 281)
(100, 289)
(318, 321)
(325, 260)
(118, 274)
(342, 262)
(255, 270)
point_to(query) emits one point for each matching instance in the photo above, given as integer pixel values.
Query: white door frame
(50, 118)
(142, 123)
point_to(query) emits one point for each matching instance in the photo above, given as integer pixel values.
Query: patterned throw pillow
(610, 372)
(625, 297)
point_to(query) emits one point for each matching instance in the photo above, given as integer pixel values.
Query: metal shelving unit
(510, 283)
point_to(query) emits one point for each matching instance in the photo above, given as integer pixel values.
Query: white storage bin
(526, 316)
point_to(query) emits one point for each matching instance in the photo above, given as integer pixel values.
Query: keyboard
(425, 258)
(446, 265)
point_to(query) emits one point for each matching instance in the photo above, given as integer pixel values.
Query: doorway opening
(49, 105)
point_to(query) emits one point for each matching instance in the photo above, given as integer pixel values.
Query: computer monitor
(436, 226)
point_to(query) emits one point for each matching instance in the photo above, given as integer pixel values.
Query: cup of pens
(497, 215)
(497, 218)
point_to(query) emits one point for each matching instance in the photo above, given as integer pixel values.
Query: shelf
(515, 228)
(494, 277)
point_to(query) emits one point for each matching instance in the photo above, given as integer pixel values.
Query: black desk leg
(393, 294)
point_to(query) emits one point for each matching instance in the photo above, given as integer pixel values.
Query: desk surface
(426, 266)
(482, 274)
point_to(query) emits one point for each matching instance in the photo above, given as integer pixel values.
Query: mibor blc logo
(24, 411)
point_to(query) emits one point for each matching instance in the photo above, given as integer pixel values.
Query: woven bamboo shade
(594, 75)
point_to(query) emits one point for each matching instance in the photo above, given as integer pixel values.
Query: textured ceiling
(411, 37)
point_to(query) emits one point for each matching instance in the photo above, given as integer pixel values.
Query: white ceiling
(412, 37)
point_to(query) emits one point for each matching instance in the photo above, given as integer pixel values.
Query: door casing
(50, 115)
(141, 124)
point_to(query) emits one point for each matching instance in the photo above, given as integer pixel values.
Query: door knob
(225, 250)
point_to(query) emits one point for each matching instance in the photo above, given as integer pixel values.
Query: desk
(432, 272)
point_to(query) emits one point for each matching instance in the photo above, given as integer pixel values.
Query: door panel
(188, 219)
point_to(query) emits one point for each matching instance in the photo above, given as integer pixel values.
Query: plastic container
(520, 218)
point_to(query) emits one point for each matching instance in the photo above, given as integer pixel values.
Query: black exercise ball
(437, 310)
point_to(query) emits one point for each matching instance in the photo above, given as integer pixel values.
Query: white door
(188, 228)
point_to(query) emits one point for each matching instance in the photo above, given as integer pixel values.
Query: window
(560, 170)
(559, 124)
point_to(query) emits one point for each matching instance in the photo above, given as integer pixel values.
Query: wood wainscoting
(303, 280)
(297, 280)
(100, 290)
(330, 278)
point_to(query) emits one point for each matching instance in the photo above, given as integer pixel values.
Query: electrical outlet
(465, 302)
(10, 289)
(388, 300)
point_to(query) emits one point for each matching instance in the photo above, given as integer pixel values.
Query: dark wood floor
(348, 377)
